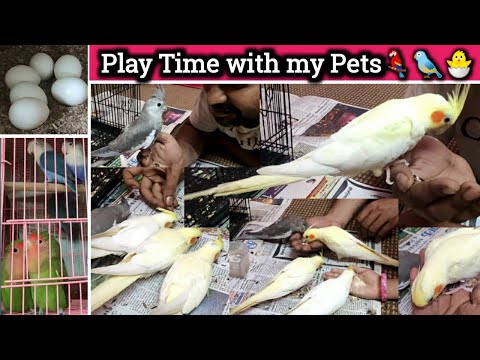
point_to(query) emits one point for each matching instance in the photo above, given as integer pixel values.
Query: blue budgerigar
(53, 165)
(73, 151)
(425, 65)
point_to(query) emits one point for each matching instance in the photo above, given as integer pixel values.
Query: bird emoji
(425, 65)
(459, 66)
(396, 63)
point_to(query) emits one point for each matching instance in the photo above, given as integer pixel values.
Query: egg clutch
(29, 108)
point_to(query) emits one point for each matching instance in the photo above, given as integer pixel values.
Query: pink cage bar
(44, 226)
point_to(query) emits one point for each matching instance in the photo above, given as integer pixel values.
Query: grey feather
(279, 231)
(105, 218)
(141, 133)
(407, 261)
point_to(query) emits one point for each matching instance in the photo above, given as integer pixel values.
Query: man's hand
(449, 192)
(162, 167)
(460, 302)
(378, 218)
(318, 222)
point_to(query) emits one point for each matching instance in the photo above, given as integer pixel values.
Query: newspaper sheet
(267, 259)
(142, 296)
(413, 240)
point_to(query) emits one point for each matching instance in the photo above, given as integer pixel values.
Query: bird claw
(40, 312)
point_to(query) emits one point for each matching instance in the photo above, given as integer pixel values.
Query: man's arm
(192, 142)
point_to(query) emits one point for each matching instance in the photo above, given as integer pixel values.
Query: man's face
(234, 104)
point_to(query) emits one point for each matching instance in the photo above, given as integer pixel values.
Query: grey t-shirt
(466, 129)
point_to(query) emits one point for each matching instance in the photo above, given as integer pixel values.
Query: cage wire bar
(239, 215)
(104, 182)
(114, 106)
(210, 211)
(276, 146)
(49, 219)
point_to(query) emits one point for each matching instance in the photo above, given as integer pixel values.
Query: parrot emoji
(396, 63)
(425, 65)
(45, 261)
(279, 231)
(459, 60)
(155, 254)
(370, 142)
(53, 165)
(141, 133)
(448, 259)
(105, 218)
(327, 297)
(73, 151)
(345, 244)
(188, 280)
(15, 299)
(294, 276)
(130, 233)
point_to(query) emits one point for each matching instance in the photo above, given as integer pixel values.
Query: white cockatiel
(188, 280)
(327, 297)
(370, 142)
(130, 233)
(292, 277)
(155, 254)
(448, 259)
(345, 244)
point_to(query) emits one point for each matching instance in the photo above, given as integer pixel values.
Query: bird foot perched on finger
(466, 285)
(388, 179)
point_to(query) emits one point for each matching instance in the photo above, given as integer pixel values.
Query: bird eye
(40, 241)
(447, 119)
(159, 104)
(15, 250)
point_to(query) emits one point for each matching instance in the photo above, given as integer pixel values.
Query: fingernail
(169, 201)
(448, 191)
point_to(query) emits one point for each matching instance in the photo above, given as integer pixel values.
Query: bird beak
(415, 56)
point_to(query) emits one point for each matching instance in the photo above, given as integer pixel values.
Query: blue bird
(53, 165)
(73, 151)
(425, 65)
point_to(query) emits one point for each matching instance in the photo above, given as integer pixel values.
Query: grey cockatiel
(142, 132)
(279, 231)
(107, 217)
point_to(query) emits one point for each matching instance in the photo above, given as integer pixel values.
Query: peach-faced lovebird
(45, 262)
(425, 65)
(396, 63)
(15, 299)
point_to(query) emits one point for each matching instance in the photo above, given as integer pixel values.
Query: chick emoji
(459, 60)
(459, 66)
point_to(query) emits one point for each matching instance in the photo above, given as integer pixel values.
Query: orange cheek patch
(193, 241)
(217, 256)
(168, 224)
(437, 116)
(438, 290)
(311, 236)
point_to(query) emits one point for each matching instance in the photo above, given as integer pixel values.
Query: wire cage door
(239, 215)
(276, 145)
(44, 226)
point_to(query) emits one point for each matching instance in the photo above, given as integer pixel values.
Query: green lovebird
(21, 297)
(44, 251)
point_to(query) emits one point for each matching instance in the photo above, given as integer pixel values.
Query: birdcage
(114, 106)
(239, 215)
(210, 211)
(105, 181)
(276, 145)
(44, 226)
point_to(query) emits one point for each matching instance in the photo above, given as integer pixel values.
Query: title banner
(311, 63)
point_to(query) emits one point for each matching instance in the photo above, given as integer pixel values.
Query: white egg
(43, 64)
(28, 113)
(21, 73)
(27, 89)
(67, 66)
(70, 91)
